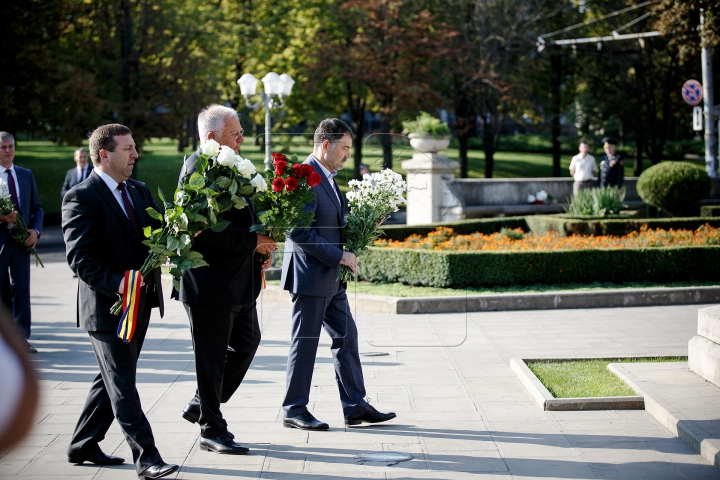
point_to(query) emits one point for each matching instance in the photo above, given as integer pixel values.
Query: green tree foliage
(679, 20)
(148, 64)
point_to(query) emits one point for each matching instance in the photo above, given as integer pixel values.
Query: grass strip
(587, 378)
(402, 290)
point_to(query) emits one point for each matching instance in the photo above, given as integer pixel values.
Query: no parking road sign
(692, 92)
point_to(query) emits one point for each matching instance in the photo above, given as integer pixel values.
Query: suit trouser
(309, 315)
(220, 369)
(17, 258)
(113, 395)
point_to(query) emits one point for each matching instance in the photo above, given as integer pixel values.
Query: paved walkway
(461, 411)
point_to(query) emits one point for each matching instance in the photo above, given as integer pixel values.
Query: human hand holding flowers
(370, 200)
(17, 229)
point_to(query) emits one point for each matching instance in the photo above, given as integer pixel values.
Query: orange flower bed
(444, 238)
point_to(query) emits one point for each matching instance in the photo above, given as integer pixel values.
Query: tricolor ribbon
(131, 302)
(263, 284)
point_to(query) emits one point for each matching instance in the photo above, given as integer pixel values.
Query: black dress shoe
(158, 470)
(222, 444)
(96, 458)
(191, 413)
(305, 421)
(368, 415)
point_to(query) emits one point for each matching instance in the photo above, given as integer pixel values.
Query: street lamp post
(275, 86)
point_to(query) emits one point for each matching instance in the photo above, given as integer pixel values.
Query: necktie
(13, 189)
(130, 211)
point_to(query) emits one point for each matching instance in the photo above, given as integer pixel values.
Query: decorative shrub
(487, 268)
(445, 239)
(597, 202)
(483, 225)
(567, 225)
(426, 124)
(674, 186)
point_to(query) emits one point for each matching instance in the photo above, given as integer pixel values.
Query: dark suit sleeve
(67, 184)
(308, 240)
(80, 230)
(36, 209)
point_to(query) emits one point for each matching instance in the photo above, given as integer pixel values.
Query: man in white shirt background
(583, 168)
(78, 173)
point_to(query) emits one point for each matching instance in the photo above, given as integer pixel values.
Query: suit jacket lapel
(329, 188)
(109, 198)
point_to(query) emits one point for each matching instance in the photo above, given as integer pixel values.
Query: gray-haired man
(220, 298)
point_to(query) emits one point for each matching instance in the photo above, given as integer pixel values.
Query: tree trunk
(556, 61)
(489, 149)
(385, 140)
(465, 125)
(356, 106)
(126, 38)
(639, 145)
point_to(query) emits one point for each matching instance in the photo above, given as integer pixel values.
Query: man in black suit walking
(220, 298)
(78, 173)
(102, 221)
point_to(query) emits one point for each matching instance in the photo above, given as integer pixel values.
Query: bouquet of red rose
(282, 207)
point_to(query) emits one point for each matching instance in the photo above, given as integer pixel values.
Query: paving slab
(461, 410)
(687, 404)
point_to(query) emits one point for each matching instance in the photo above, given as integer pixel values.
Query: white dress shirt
(583, 166)
(4, 172)
(330, 176)
(113, 186)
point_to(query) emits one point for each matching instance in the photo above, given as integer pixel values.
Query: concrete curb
(546, 401)
(664, 413)
(521, 301)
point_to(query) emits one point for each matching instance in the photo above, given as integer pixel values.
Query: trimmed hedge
(461, 227)
(612, 226)
(488, 269)
(710, 211)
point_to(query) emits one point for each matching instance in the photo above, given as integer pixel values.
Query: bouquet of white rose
(220, 181)
(370, 200)
(17, 230)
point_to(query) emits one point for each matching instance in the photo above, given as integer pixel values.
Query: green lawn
(587, 378)
(160, 164)
(402, 290)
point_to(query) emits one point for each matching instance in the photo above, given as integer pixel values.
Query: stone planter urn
(428, 143)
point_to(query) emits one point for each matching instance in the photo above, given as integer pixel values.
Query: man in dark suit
(102, 221)
(20, 185)
(612, 166)
(311, 265)
(77, 174)
(220, 298)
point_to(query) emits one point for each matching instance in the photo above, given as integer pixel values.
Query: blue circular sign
(692, 92)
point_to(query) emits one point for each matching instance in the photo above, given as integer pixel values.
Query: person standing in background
(583, 169)
(23, 191)
(77, 174)
(612, 166)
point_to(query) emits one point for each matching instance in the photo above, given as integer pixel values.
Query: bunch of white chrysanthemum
(370, 200)
(380, 190)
